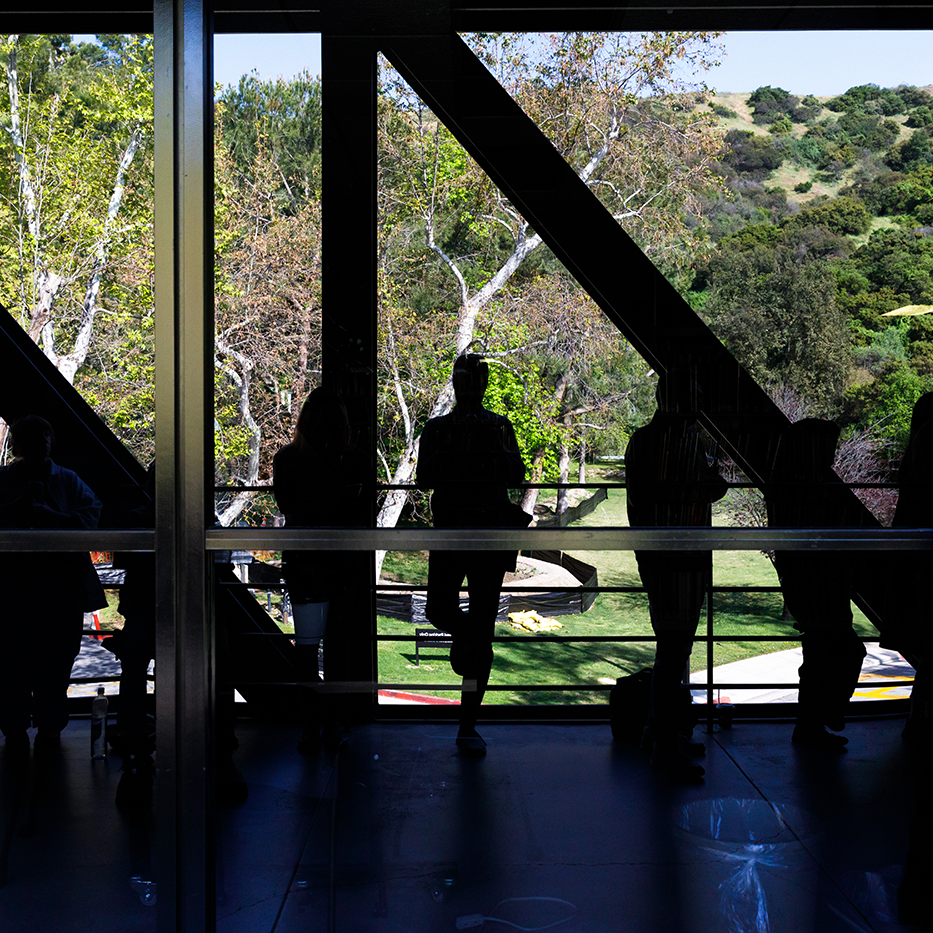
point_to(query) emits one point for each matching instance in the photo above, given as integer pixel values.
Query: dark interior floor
(397, 832)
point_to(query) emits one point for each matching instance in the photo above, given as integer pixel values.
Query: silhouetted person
(134, 737)
(134, 645)
(318, 481)
(907, 612)
(470, 458)
(818, 587)
(672, 481)
(45, 595)
(907, 628)
(914, 902)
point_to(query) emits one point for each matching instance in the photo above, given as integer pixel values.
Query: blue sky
(801, 62)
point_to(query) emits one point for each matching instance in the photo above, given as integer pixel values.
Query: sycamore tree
(76, 209)
(619, 107)
(73, 121)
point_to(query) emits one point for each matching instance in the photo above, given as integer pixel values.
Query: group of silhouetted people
(469, 458)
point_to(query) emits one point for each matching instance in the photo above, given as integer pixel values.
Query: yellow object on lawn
(531, 621)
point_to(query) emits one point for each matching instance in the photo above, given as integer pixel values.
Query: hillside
(820, 227)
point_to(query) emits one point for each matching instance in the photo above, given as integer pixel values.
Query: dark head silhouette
(678, 393)
(323, 422)
(32, 438)
(922, 413)
(806, 451)
(470, 379)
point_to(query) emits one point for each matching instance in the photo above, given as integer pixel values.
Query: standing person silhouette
(906, 615)
(818, 587)
(318, 481)
(470, 458)
(672, 481)
(45, 594)
(135, 646)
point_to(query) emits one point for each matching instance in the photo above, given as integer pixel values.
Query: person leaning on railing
(45, 594)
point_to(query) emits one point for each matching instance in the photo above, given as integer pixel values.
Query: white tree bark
(47, 282)
(68, 364)
(238, 368)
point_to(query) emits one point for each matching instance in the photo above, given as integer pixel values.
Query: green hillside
(820, 223)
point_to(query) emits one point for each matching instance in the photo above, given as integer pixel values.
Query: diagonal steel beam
(606, 262)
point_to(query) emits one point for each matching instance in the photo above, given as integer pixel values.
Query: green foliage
(282, 116)
(857, 98)
(803, 187)
(896, 193)
(523, 398)
(868, 130)
(921, 117)
(901, 261)
(781, 126)
(726, 113)
(754, 236)
(779, 317)
(910, 154)
(887, 400)
(841, 215)
(775, 105)
(912, 96)
(750, 154)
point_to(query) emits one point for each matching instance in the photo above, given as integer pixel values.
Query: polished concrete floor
(397, 832)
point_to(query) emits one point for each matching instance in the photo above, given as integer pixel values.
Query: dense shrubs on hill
(789, 285)
(724, 112)
(752, 237)
(747, 202)
(913, 96)
(771, 103)
(885, 100)
(899, 260)
(840, 215)
(868, 130)
(921, 117)
(750, 154)
(910, 154)
(899, 194)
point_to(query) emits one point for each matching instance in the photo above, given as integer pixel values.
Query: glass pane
(76, 400)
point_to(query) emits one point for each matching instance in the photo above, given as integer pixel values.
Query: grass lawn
(531, 660)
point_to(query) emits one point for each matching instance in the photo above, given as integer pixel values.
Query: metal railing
(561, 539)
(582, 539)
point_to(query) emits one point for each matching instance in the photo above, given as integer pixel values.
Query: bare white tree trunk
(530, 495)
(47, 282)
(68, 364)
(238, 368)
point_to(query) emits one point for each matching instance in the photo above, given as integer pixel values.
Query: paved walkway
(879, 669)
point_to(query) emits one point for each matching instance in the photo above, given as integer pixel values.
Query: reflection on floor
(397, 832)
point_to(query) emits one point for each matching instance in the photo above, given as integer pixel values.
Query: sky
(819, 63)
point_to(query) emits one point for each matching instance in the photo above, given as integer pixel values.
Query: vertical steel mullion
(184, 645)
(349, 283)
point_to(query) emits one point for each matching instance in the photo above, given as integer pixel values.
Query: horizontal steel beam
(572, 539)
(471, 539)
(34, 539)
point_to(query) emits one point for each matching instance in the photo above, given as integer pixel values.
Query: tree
(72, 141)
(282, 117)
(777, 313)
(612, 104)
(267, 345)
